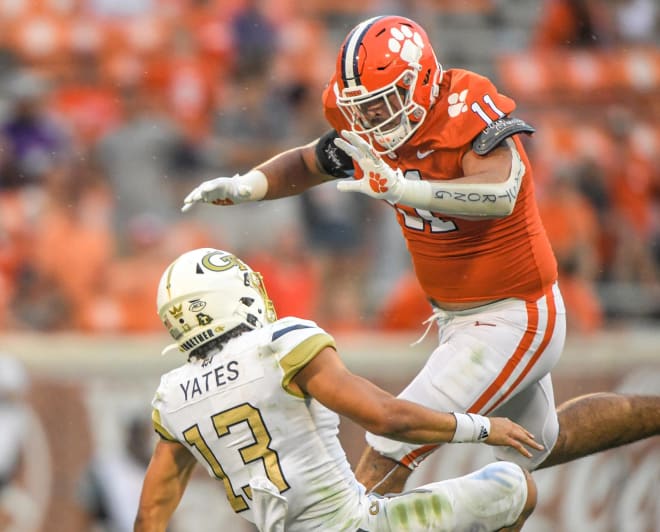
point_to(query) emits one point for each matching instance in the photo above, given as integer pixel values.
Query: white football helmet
(207, 293)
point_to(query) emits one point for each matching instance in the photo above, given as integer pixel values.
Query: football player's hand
(219, 191)
(505, 432)
(379, 181)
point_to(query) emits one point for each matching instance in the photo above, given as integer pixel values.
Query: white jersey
(236, 416)
(278, 454)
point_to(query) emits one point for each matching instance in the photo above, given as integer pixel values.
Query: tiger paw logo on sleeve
(457, 103)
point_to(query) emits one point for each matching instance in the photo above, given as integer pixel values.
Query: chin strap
(168, 349)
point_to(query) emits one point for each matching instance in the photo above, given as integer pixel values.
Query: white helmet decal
(406, 43)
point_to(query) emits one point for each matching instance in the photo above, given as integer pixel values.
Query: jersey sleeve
(295, 342)
(472, 102)
(157, 404)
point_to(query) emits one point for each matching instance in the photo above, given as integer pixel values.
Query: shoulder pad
(497, 131)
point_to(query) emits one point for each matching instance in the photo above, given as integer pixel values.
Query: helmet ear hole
(247, 301)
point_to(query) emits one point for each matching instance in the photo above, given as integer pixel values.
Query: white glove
(379, 181)
(229, 190)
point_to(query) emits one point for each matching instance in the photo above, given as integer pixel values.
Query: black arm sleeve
(331, 159)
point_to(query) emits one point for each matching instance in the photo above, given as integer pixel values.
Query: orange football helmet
(388, 78)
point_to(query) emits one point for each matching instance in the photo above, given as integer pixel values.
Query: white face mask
(388, 117)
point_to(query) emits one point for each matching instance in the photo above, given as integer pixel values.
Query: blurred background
(111, 111)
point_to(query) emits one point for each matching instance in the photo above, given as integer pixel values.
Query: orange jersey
(459, 260)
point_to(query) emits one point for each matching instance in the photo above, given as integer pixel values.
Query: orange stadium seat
(15, 232)
(86, 36)
(40, 38)
(186, 85)
(144, 35)
(90, 111)
(565, 140)
(121, 68)
(88, 239)
(302, 38)
(367, 8)
(557, 74)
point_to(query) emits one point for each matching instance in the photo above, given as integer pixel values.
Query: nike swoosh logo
(422, 154)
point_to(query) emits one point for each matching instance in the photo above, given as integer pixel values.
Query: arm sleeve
(330, 159)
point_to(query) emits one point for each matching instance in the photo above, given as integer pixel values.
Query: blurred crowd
(111, 111)
(591, 86)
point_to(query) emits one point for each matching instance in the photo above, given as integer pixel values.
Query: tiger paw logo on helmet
(407, 43)
(457, 103)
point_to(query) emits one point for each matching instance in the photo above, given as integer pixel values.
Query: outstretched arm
(327, 379)
(164, 483)
(286, 174)
(292, 172)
